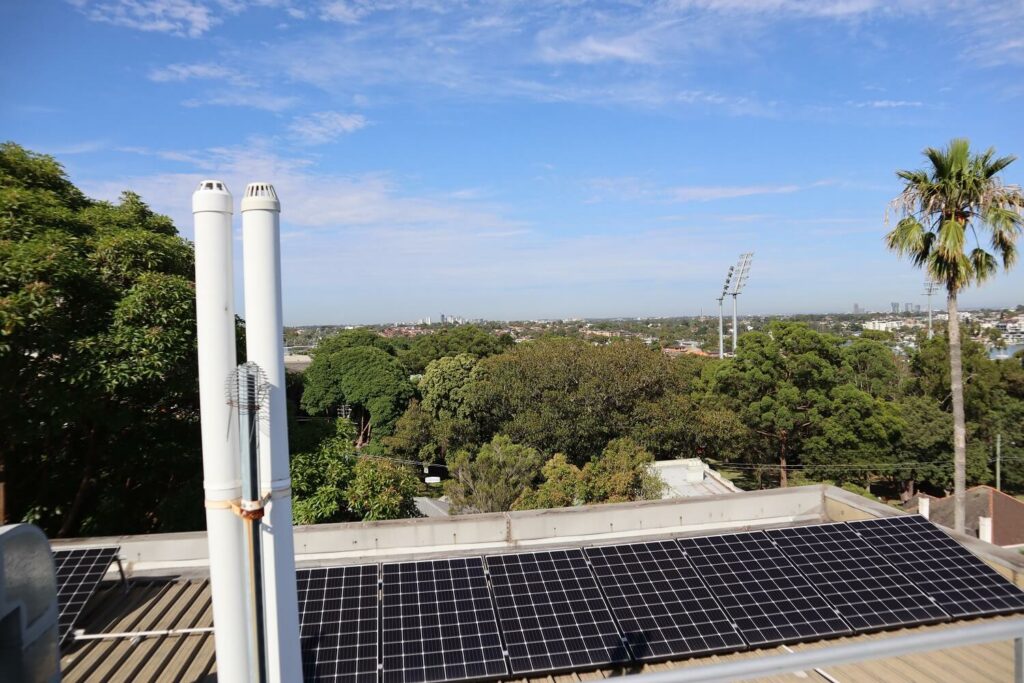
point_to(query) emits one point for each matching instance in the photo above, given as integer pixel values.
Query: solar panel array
(338, 623)
(438, 623)
(552, 613)
(860, 583)
(958, 581)
(659, 601)
(79, 572)
(761, 591)
(545, 612)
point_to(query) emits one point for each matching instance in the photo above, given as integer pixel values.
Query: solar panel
(438, 623)
(552, 613)
(661, 605)
(762, 592)
(959, 582)
(862, 585)
(79, 571)
(338, 623)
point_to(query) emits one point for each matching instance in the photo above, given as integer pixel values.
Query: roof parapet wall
(402, 539)
(334, 544)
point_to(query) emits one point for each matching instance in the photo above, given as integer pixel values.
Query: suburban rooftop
(167, 584)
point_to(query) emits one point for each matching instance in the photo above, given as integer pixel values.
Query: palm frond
(908, 238)
(983, 265)
(957, 191)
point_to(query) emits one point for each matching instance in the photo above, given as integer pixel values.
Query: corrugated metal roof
(146, 604)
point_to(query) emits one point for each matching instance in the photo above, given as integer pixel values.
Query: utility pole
(930, 288)
(999, 454)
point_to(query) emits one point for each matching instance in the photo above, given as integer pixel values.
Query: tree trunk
(783, 479)
(956, 377)
(908, 490)
(84, 487)
(3, 489)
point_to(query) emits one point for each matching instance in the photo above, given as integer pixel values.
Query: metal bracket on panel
(124, 579)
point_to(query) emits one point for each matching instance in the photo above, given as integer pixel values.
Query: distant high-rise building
(856, 309)
(908, 307)
(895, 306)
(917, 308)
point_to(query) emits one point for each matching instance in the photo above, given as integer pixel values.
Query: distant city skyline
(531, 160)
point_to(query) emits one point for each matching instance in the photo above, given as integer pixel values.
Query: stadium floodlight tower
(930, 288)
(721, 323)
(742, 273)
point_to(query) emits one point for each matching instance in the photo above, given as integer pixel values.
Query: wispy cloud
(707, 193)
(887, 104)
(592, 49)
(314, 199)
(190, 18)
(636, 189)
(245, 98)
(85, 147)
(343, 12)
(325, 126)
(179, 73)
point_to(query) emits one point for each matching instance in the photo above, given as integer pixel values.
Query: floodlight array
(742, 273)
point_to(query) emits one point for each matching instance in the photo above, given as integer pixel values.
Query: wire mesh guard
(248, 388)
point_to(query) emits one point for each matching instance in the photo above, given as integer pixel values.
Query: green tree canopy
(320, 479)
(871, 367)
(382, 489)
(464, 339)
(561, 486)
(444, 386)
(492, 479)
(97, 348)
(349, 339)
(622, 472)
(366, 378)
(780, 383)
(857, 440)
(567, 396)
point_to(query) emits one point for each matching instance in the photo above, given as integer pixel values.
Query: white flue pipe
(264, 330)
(215, 331)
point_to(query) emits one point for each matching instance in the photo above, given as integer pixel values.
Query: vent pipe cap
(260, 197)
(212, 195)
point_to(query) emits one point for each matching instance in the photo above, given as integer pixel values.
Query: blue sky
(530, 159)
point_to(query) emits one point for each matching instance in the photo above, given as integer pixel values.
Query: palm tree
(957, 200)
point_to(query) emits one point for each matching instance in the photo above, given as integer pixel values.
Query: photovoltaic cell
(338, 623)
(868, 591)
(438, 623)
(762, 592)
(552, 613)
(662, 607)
(959, 582)
(79, 571)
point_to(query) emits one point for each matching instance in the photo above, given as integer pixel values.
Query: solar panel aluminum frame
(764, 579)
(660, 602)
(522, 602)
